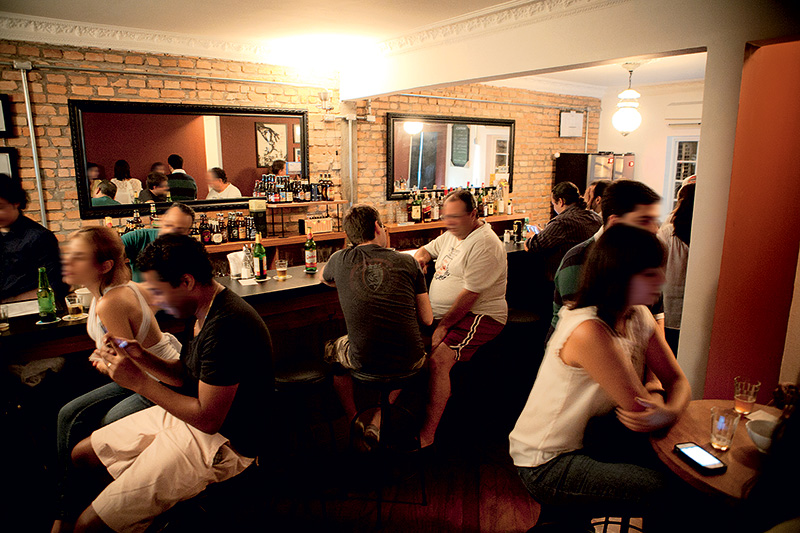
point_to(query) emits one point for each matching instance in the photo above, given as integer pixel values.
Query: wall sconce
(627, 118)
(325, 100)
(412, 128)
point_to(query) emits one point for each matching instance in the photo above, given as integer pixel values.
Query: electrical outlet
(370, 118)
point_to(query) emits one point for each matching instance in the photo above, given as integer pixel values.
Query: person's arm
(170, 372)
(207, 412)
(326, 275)
(424, 311)
(659, 412)
(550, 237)
(464, 302)
(423, 257)
(593, 348)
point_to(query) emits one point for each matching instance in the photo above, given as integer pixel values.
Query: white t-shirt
(231, 191)
(564, 397)
(478, 263)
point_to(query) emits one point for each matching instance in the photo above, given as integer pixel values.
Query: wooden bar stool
(398, 431)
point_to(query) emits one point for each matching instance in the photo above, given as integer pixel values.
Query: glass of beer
(723, 426)
(74, 307)
(744, 394)
(281, 266)
(4, 325)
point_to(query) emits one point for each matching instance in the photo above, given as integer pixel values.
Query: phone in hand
(698, 458)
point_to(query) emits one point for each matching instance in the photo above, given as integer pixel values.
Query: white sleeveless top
(167, 347)
(564, 398)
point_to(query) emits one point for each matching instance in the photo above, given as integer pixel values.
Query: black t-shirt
(233, 347)
(378, 290)
(26, 246)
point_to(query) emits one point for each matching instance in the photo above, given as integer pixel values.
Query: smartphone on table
(701, 460)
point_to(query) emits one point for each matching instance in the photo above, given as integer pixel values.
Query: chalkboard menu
(459, 148)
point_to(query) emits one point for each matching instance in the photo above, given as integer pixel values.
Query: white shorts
(156, 461)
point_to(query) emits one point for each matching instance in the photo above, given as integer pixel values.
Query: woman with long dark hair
(676, 234)
(128, 188)
(595, 365)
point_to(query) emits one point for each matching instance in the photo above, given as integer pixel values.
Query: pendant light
(627, 118)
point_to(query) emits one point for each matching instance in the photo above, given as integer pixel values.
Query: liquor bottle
(46, 297)
(195, 233)
(490, 203)
(310, 249)
(435, 208)
(416, 209)
(241, 226)
(137, 221)
(233, 233)
(153, 216)
(485, 201)
(247, 262)
(409, 204)
(259, 259)
(289, 192)
(510, 207)
(205, 230)
(221, 231)
(426, 207)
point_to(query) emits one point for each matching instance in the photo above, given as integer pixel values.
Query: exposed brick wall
(50, 90)
(535, 138)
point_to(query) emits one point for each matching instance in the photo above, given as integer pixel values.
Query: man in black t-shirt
(211, 405)
(384, 296)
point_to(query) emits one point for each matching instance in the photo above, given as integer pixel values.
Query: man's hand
(423, 258)
(438, 336)
(120, 364)
(655, 416)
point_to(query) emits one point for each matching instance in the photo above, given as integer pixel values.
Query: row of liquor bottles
(284, 189)
(254, 260)
(426, 206)
(236, 227)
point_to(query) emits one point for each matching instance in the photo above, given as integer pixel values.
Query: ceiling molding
(503, 16)
(64, 32)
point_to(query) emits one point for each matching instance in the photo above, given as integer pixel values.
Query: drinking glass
(744, 394)
(281, 266)
(723, 426)
(4, 325)
(74, 306)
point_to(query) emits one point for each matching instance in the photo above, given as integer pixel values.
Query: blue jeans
(80, 417)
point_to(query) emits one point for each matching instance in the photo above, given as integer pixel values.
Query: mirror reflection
(165, 153)
(443, 152)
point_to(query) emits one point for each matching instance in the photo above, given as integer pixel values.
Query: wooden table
(743, 458)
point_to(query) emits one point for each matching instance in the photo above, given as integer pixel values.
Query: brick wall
(50, 90)
(535, 138)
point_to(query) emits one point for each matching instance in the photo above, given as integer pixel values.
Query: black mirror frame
(391, 118)
(78, 107)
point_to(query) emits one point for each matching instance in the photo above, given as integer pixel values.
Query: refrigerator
(583, 168)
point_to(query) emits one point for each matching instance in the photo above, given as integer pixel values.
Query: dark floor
(314, 483)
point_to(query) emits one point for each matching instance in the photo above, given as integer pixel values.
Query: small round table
(694, 425)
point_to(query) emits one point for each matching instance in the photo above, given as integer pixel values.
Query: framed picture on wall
(271, 143)
(298, 154)
(6, 128)
(8, 162)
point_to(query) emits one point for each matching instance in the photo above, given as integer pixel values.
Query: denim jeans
(80, 417)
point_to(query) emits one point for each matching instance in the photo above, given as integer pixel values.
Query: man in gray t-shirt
(384, 298)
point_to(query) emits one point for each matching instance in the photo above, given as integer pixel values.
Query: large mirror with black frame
(440, 152)
(123, 143)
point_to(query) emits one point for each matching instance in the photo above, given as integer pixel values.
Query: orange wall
(762, 233)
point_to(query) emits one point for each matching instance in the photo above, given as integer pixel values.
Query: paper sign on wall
(571, 124)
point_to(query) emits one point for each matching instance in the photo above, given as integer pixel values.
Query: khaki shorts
(156, 461)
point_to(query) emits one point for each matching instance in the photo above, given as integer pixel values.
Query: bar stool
(391, 441)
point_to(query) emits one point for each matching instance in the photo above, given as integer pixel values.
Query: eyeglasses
(453, 217)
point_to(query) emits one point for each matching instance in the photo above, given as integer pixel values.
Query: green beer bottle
(259, 259)
(46, 297)
(310, 249)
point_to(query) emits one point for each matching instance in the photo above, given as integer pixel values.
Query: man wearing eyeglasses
(467, 296)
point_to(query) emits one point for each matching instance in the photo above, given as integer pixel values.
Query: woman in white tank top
(596, 364)
(95, 258)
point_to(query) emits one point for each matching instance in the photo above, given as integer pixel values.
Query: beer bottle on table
(259, 259)
(310, 249)
(46, 297)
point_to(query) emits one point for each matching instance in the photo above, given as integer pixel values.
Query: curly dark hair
(172, 256)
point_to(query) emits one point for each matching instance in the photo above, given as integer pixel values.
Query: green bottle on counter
(259, 259)
(46, 297)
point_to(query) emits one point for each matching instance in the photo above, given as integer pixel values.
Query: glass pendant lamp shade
(412, 128)
(626, 119)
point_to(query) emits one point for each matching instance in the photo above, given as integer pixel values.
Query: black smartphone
(702, 460)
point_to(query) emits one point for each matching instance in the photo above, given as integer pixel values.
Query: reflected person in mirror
(177, 219)
(157, 188)
(128, 187)
(218, 186)
(105, 194)
(182, 186)
(279, 167)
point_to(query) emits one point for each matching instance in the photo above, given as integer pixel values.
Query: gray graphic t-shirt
(378, 290)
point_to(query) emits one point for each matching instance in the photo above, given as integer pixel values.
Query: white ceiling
(256, 21)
